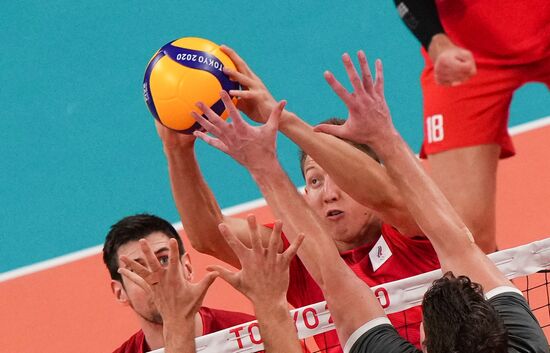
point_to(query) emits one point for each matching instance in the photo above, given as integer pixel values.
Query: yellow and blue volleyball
(182, 73)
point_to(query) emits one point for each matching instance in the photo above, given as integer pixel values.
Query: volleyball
(182, 73)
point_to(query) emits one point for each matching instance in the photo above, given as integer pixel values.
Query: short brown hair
(133, 228)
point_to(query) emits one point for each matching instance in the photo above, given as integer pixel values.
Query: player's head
(458, 319)
(123, 239)
(346, 218)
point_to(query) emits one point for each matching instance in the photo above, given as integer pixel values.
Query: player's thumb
(206, 282)
(275, 116)
(336, 130)
(223, 273)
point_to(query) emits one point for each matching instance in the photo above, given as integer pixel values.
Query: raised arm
(451, 239)
(254, 148)
(264, 280)
(354, 172)
(198, 209)
(452, 64)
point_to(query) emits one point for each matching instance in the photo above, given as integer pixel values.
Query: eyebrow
(308, 168)
(141, 261)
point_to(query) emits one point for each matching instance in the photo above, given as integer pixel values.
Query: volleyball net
(527, 265)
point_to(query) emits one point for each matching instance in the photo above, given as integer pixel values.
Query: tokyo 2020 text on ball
(180, 74)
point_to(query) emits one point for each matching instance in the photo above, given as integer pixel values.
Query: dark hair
(359, 146)
(458, 318)
(133, 228)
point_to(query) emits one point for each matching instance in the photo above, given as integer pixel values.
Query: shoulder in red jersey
(134, 344)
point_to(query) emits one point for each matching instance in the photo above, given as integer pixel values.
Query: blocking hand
(174, 296)
(369, 117)
(255, 100)
(251, 146)
(264, 276)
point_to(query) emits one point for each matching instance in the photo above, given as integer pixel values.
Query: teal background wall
(78, 146)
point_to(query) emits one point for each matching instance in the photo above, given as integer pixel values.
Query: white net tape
(393, 296)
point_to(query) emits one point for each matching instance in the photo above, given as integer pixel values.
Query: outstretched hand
(264, 276)
(174, 296)
(255, 100)
(369, 117)
(251, 146)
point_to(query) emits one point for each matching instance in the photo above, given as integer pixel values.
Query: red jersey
(213, 320)
(389, 258)
(504, 32)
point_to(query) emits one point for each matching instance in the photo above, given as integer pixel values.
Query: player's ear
(119, 292)
(187, 268)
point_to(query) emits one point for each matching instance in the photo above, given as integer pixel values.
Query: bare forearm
(432, 211)
(288, 205)
(354, 171)
(277, 328)
(359, 175)
(179, 336)
(435, 215)
(196, 204)
(199, 212)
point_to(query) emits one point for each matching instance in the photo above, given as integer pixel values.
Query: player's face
(346, 218)
(139, 299)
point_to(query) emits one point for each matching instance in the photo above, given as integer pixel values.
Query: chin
(344, 236)
(153, 318)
